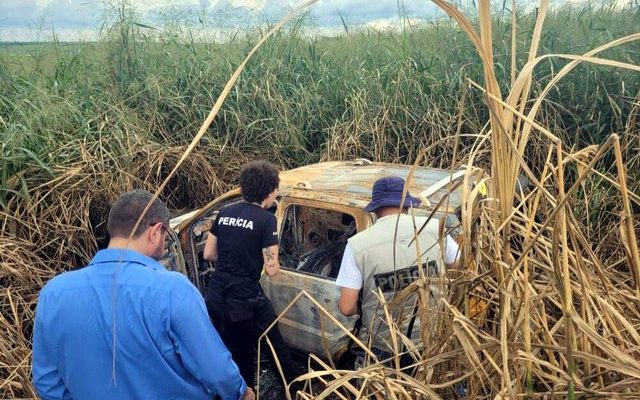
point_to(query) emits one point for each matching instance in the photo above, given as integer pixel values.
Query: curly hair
(258, 179)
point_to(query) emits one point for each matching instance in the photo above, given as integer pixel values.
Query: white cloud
(252, 5)
(145, 6)
(386, 24)
(63, 15)
(379, 24)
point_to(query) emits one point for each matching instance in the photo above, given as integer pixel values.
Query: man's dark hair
(257, 180)
(127, 209)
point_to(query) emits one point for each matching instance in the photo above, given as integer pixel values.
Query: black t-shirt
(242, 231)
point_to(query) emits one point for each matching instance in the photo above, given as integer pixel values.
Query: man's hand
(248, 394)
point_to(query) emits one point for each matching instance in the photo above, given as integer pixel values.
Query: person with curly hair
(243, 242)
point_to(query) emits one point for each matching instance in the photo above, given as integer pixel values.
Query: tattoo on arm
(268, 254)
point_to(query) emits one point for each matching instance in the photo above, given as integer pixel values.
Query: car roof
(350, 182)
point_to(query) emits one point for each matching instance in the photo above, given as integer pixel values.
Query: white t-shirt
(350, 276)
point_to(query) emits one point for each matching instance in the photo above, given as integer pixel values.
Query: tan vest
(374, 255)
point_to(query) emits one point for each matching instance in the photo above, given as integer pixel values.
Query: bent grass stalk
(568, 322)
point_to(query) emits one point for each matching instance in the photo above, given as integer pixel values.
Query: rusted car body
(319, 208)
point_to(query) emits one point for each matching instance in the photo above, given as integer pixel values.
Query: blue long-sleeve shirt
(166, 347)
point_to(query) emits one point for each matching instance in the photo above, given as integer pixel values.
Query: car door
(190, 233)
(195, 237)
(173, 259)
(312, 238)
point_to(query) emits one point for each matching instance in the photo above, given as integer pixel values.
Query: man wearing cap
(374, 259)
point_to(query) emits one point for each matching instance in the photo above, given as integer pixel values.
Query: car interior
(313, 240)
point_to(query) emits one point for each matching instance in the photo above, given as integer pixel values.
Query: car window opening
(313, 239)
(194, 256)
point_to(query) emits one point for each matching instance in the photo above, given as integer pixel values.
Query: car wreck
(319, 207)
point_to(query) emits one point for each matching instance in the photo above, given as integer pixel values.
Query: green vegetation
(81, 123)
(299, 100)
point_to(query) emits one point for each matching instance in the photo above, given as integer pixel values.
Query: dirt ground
(270, 385)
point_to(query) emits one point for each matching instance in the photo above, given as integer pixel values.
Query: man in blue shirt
(123, 327)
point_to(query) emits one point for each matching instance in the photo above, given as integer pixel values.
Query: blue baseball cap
(387, 192)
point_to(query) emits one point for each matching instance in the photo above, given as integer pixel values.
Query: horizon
(25, 21)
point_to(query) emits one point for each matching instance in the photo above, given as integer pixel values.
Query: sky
(29, 20)
(26, 20)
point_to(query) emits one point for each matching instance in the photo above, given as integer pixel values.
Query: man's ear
(155, 233)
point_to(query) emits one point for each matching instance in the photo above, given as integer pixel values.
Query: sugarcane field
(321, 199)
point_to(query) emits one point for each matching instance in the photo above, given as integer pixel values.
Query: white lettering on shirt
(239, 222)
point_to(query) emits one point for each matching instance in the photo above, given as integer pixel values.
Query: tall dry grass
(556, 266)
(60, 223)
(561, 321)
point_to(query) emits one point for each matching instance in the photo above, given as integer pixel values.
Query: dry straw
(534, 310)
(54, 229)
(560, 322)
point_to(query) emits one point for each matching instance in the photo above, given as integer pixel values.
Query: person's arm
(47, 380)
(210, 251)
(348, 304)
(350, 281)
(211, 248)
(270, 246)
(271, 262)
(451, 251)
(198, 344)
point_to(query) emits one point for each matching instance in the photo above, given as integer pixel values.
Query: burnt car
(319, 207)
